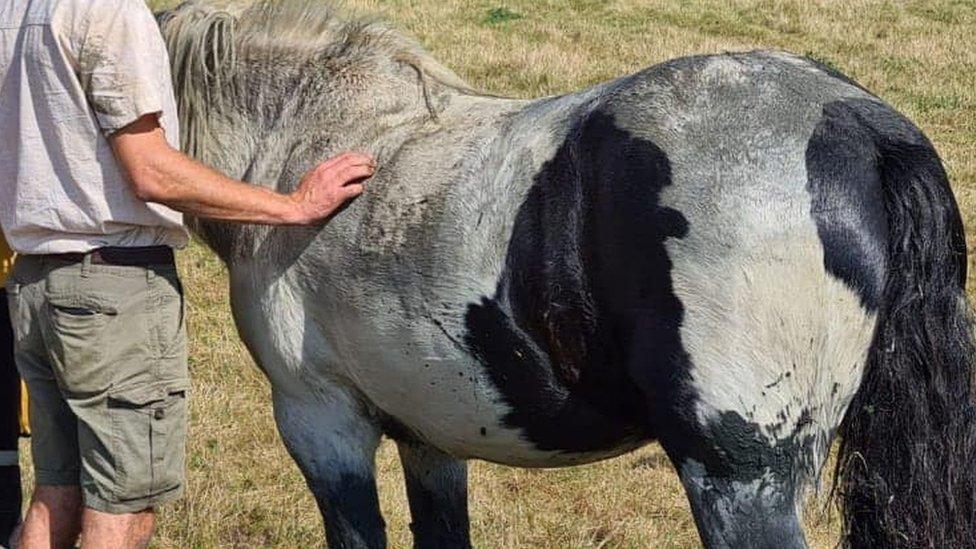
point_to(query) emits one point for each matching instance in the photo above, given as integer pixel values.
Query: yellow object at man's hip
(24, 411)
(6, 266)
(6, 261)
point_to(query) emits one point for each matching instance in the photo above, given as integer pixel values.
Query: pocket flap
(96, 303)
(143, 394)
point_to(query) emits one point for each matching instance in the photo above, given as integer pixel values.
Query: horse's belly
(444, 396)
(415, 373)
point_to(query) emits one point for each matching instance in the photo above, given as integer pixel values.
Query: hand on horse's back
(330, 186)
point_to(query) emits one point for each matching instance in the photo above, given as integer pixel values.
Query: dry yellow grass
(243, 489)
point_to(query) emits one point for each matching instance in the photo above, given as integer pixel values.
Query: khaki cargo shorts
(103, 351)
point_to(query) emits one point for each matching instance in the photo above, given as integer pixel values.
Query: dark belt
(125, 257)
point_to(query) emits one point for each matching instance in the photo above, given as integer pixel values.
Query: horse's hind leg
(437, 487)
(743, 486)
(334, 443)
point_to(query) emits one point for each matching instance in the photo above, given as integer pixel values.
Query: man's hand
(159, 173)
(328, 187)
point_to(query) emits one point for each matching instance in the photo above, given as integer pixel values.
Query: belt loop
(86, 263)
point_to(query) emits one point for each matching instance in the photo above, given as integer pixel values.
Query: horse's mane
(206, 38)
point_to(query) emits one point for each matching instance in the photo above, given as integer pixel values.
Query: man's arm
(159, 173)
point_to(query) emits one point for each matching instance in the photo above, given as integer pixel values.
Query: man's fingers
(355, 173)
(339, 159)
(327, 164)
(353, 190)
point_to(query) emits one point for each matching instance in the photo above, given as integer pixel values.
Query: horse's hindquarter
(773, 345)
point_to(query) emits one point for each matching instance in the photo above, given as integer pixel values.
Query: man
(10, 495)
(90, 172)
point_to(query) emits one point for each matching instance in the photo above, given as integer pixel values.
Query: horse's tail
(907, 465)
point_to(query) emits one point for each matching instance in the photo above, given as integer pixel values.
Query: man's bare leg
(53, 519)
(105, 530)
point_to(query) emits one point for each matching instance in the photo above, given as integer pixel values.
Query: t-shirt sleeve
(122, 62)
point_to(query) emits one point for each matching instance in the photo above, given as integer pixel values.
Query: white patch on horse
(725, 70)
(771, 335)
(271, 318)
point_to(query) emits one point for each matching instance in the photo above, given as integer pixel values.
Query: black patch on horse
(749, 454)
(845, 185)
(859, 145)
(586, 302)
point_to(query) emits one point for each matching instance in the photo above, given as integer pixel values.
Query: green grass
(497, 16)
(244, 490)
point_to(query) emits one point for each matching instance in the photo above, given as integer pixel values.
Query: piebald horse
(741, 256)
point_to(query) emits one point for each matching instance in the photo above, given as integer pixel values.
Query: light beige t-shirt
(71, 73)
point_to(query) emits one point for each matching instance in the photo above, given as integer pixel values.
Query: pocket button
(160, 413)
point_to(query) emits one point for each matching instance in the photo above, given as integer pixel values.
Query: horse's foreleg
(334, 443)
(437, 487)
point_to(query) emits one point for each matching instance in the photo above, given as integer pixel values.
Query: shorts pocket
(77, 339)
(149, 439)
(170, 315)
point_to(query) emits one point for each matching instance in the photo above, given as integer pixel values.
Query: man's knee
(58, 499)
(108, 530)
(53, 518)
(58, 505)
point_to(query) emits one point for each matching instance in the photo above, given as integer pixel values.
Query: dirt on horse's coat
(719, 253)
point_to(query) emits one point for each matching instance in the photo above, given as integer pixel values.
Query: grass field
(244, 490)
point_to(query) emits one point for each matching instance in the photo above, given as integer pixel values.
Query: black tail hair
(907, 467)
